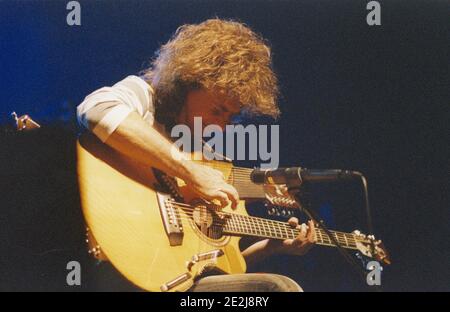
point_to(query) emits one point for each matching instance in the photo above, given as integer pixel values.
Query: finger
(221, 199)
(311, 232)
(297, 241)
(232, 195)
(303, 230)
(293, 222)
(289, 242)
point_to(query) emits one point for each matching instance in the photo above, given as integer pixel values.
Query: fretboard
(241, 225)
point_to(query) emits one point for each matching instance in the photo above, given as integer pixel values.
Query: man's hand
(302, 243)
(210, 184)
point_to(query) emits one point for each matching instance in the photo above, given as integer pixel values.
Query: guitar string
(282, 228)
(279, 223)
(191, 207)
(321, 237)
(240, 178)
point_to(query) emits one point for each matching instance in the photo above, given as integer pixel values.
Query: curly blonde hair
(216, 55)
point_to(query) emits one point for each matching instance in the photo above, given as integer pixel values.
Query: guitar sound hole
(208, 222)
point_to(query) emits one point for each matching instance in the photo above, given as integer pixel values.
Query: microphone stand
(294, 191)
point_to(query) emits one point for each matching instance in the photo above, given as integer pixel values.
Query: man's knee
(281, 283)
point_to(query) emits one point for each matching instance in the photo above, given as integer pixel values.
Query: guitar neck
(241, 225)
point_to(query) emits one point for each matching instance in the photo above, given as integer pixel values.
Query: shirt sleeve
(103, 110)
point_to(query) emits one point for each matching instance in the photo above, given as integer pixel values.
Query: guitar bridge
(171, 219)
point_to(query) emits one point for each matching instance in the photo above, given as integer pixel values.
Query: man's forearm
(135, 138)
(260, 250)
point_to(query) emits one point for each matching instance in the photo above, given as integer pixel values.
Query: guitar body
(119, 198)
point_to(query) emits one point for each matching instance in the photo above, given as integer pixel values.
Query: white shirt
(103, 110)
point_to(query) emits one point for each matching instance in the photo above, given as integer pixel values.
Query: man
(212, 70)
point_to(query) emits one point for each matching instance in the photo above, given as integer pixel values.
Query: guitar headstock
(371, 247)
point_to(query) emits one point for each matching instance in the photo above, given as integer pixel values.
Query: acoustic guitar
(138, 220)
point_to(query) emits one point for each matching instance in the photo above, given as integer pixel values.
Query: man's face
(214, 108)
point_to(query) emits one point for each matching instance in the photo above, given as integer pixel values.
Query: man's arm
(136, 139)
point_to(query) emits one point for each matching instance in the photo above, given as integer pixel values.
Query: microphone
(295, 176)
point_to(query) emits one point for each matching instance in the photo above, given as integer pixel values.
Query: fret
(336, 236)
(339, 238)
(252, 226)
(239, 227)
(242, 224)
(285, 231)
(325, 238)
(280, 229)
(249, 225)
(319, 235)
(228, 226)
(239, 224)
(257, 226)
(264, 227)
(277, 230)
(352, 239)
(293, 234)
(236, 224)
(273, 229)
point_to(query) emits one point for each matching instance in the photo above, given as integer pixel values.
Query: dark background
(374, 99)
